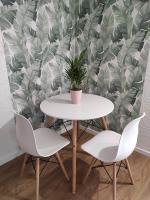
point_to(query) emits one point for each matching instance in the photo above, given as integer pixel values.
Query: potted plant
(75, 72)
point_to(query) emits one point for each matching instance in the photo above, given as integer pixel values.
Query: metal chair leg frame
(41, 159)
(120, 165)
(67, 132)
(106, 171)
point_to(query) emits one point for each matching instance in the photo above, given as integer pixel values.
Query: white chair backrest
(128, 139)
(25, 136)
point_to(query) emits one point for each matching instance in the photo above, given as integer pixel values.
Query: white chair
(42, 142)
(111, 147)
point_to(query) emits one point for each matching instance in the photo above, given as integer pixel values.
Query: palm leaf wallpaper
(38, 34)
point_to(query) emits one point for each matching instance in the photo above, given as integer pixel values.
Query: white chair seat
(103, 146)
(48, 141)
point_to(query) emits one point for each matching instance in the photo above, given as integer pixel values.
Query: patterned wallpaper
(38, 34)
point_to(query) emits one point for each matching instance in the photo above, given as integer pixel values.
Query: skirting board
(143, 144)
(10, 157)
(142, 151)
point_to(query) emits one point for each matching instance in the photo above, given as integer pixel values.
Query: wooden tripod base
(115, 173)
(37, 170)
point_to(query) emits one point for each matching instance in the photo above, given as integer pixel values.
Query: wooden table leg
(104, 123)
(78, 128)
(114, 181)
(50, 121)
(74, 158)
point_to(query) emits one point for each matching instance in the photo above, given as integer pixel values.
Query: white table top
(91, 107)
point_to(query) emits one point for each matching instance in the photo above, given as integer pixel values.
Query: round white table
(91, 107)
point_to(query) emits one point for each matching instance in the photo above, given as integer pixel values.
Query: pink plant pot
(76, 96)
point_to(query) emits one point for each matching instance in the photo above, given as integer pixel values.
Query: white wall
(5, 100)
(8, 145)
(143, 145)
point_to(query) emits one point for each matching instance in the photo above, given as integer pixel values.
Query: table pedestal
(103, 122)
(74, 155)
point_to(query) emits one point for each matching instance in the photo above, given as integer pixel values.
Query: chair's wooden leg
(114, 181)
(89, 170)
(104, 123)
(37, 177)
(62, 166)
(26, 156)
(129, 171)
